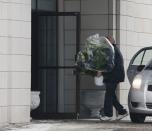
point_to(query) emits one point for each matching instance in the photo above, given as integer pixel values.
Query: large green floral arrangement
(97, 55)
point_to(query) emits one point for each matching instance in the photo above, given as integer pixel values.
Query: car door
(138, 62)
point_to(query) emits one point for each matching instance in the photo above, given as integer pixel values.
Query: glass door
(55, 41)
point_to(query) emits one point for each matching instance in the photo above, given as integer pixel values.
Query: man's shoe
(121, 116)
(105, 118)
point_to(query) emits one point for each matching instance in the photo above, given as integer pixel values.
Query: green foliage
(96, 56)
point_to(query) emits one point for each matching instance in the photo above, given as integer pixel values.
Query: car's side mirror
(140, 67)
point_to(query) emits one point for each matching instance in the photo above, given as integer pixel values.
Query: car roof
(149, 47)
(144, 48)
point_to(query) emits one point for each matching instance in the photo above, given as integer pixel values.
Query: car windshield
(149, 66)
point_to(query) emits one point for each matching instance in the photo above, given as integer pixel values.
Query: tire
(137, 118)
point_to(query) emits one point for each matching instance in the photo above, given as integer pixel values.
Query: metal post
(78, 33)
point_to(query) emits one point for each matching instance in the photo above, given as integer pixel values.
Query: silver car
(140, 77)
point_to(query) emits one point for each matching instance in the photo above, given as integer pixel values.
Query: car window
(147, 57)
(138, 59)
(149, 66)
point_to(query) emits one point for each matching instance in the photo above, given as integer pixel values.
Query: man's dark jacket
(117, 74)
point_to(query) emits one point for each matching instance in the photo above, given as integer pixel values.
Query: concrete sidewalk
(79, 125)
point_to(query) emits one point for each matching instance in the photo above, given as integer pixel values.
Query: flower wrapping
(97, 55)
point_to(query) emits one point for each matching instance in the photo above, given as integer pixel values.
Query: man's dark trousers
(111, 100)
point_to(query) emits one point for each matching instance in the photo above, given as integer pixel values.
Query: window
(149, 66)
(138, 59)
(143, 57)
(33, 4)
(147, 57)
(44, 5)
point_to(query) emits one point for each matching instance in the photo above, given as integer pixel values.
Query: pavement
(79, 125)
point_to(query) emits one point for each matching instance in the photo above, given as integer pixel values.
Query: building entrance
(55, 41)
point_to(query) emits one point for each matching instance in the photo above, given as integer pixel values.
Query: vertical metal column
(78, 33)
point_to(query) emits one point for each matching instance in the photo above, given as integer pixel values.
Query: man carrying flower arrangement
(111, 81)
(101, 56)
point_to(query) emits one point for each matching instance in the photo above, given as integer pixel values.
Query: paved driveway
(80, 125)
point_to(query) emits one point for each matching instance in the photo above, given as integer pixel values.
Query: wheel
(137, 118)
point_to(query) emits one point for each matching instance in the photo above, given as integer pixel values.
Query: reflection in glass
(47, 52)
(47, 41)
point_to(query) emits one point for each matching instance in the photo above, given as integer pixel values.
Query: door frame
(137, 53)
(78, 30)
(134, 72)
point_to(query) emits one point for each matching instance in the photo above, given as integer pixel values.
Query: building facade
(46, 62)
(15, 69)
